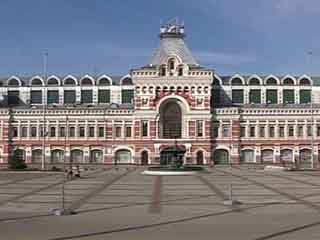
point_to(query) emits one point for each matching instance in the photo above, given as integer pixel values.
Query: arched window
(286, 155)
(86, 81)
(305, 156)
(77, 156)
(96, 156)
(13, 82)
(221, 156)
(104, 82)
(123, 156)
(171, 120)
(288, 82)
(36, 82)
(53, 81)
(57, 156)
(36, 156)
(305, 82)
(236, 82)
(127, 81)
(247, 156)
(19, 154)
(271, 81)
(267, 156)
(70, 81)
(254, 81)
(171, 63)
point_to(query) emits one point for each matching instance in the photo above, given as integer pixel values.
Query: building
(170, 106)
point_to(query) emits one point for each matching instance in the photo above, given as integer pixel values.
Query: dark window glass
(254, 81)
(33, 131)
(144, 127)
(52, 131)
(101, 131)
(36, 97)
(200, 128)
(69, 96)
(318, 131)
(255, 96)
(288, 96)
(91, 131)
(309, 131)
(118, 131)
(62, 132)
(242, 131)
(104, 96)
(300, 131)
(81, 132)
(225, 130)
(305, 96)
(180, 73)
(71, 131)
(53, 97)
(215, 97)
(86, 96)
(281, 131)
(104, 82)
(128, 131)
(252, 131)
(127, 96)
(288, 81)
(262, 131)
(13, 97)
(236, 82)
(14, 132)
(271, 81)
(215, 132)
(237, 96)
(272, 96)
(291, 131)
(24, 132)
(271, 131)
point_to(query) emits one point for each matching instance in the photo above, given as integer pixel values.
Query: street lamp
(45, 59)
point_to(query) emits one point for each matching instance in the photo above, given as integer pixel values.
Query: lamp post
(45, 59)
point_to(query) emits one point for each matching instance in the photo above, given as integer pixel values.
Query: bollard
(230, 201)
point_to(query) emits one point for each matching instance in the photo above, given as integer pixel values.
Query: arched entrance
(305, 156)
(122, 156)
(144, 158)
(286, 156)
(170, 120)
(57, 156)
(247, 156)
(221, 156)
(172, 155)
(267, 156)
(200, 158)
(36, 156)
(76, 156)
(96, 156)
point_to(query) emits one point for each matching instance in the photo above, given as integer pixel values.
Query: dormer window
(163, 71)
(180, 71)
(171, 64)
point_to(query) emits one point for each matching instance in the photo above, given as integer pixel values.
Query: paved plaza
(123, 204)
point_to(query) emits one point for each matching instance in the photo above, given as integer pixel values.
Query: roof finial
(172, 29)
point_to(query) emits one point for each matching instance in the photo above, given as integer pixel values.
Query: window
(291, 131)
(272, 96)
(163, 71)
(104, 96)
(254, 81)
(86, 96)
(199, 128)
(262, 131)
(52, 131)
(236, 82)
(13, 97)
(72, 132)
(118, 131)
(252, 131)
(128, 131)
(305, 96)
(318, 131)
(215, 131)
(300, 131)
(271, 131)
(24, 132)
(36, 97)
(41, 130)
(225, 131)
(288, 96)
(14, 132)
(69, 96)
(33, 131)
(180, 73)
(53, 97)
(255, 96)
(144, 128)
(215, 97)
(91, 131)
(242, 131)
(62, 132)
(237, 96)
(309, 131)
(101, 132)
(127, 96)
(281, 131)
(81, 132)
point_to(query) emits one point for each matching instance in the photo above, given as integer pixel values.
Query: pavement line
(287, 195)
(214, 188)
(77, 204)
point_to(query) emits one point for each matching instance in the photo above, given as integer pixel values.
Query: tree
(16, 161)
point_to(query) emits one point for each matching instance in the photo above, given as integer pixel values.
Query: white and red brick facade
(271, 121)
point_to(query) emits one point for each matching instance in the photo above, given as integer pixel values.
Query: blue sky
(112, 36)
